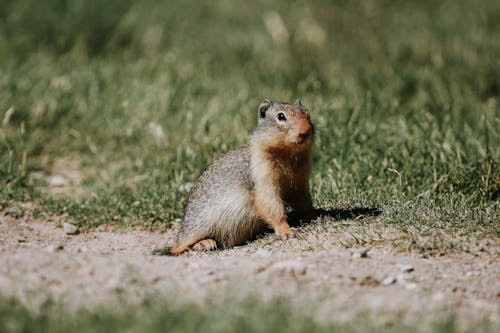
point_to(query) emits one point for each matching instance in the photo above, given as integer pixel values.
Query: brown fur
(246, 189)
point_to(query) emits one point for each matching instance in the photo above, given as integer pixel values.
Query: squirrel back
(248, 188)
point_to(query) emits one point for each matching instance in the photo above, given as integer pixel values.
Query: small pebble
(55, 248)
(360, 253)
(406, 268)
(388, 281)
(70, 229)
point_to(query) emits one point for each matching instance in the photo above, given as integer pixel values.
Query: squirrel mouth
(301, 140)
(303, 137)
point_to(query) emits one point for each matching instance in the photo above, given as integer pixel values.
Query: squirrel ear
(263, 107)
(297, 102)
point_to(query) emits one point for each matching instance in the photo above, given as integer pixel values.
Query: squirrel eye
(281, 116)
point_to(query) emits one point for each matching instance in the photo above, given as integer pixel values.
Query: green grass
(153, 315)
(404, 96)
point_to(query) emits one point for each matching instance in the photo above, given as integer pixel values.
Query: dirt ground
(39, 261)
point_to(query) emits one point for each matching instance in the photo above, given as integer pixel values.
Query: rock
(58, 181)
(388, 281)
(22, 239)
(70, 229)
(406, 268)
(55, 248)
(360, 253)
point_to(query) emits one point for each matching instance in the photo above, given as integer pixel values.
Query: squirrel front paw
(283, 230)
(289, 233)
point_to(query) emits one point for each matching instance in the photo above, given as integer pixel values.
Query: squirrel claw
(205, 245)
(287, 233)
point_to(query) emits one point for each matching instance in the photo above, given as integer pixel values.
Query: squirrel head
(286, 125)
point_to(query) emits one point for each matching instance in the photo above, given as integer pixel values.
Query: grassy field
(139, 98)
(158, 316)
(130, 101)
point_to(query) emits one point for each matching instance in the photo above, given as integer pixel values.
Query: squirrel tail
(169, 251)
(178, 250)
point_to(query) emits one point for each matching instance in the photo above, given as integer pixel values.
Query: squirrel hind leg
(205, 245)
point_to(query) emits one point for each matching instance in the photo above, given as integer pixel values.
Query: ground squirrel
(248, 188)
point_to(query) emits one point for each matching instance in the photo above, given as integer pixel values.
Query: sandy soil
(39, 261)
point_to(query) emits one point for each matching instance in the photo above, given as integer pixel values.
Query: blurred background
(111, 109)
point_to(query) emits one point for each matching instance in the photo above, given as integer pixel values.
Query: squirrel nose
(304, 128)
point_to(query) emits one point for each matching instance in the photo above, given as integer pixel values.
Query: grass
(138, 98)
(152, 315)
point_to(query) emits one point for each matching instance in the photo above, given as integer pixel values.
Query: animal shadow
(337, 214)
(294, 220)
